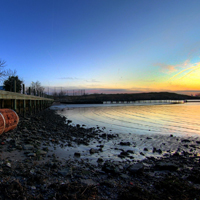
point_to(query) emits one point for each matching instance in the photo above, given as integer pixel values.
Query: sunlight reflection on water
(144, 126)
(176, 119)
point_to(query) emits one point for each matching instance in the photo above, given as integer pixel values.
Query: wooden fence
(22, 103)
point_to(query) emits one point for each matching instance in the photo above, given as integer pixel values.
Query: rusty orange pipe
(8, 120)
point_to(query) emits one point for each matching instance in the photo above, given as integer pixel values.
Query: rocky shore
(31, 168)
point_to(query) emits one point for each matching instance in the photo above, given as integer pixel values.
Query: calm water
(134, 123)
(176, 119)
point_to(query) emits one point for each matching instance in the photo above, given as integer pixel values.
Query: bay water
(145, 119)
(145, 126)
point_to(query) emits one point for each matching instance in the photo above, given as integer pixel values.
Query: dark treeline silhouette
(144, 96)
(99, 98)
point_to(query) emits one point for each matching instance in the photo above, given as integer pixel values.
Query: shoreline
(31, 169)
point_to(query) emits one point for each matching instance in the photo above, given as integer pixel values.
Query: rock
(166, 166)
(8, 164)
(185, 140)
(159, 151)
(176, 154)
(19, 147)
(88, 181)
(130, 151)
(110, 168)
(108, 183)
(27, 152)
(77, 154)
(92, 150)
(156, 150)
(31, 155)
(125, 143)
(100, 160)
(124, 153)
(8, 139)
(101, 146)
(33, 187)
(25, 130)
(124, 176)
(136, 168)
(45, 149)
(145, 149)
(41, 152)
(65, 172)
(103, 135)
(121, 156)
(28, 147)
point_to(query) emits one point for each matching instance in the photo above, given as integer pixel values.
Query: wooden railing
(23, 103)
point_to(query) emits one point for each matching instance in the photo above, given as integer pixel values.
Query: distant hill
(144, 96)
(99, 98)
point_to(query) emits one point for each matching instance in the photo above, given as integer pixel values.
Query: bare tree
(36, 86)
(2, 63)
(10, 72)
(5, 73)
(62, 94)
(55, 95)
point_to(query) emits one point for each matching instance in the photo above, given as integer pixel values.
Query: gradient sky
(103, 45)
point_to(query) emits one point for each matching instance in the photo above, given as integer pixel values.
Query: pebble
(28, 147)
(166, 166)
(92, 150)
(8, 164)
(31, 155)
(77, 154)
(136, 168)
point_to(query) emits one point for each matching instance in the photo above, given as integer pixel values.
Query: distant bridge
(64, 101)
(144, 101)
(192, 100)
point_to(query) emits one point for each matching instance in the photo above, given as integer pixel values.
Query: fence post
(24, 103)
(15, 101)
(23, 89)
(30, 107)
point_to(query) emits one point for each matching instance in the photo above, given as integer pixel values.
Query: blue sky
(103, 45)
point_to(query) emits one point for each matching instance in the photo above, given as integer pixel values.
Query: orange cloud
(166, 68)
(172, 68)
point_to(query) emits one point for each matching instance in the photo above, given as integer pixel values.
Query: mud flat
(47, 158)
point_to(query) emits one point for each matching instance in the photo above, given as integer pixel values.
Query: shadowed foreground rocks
(30, 170)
